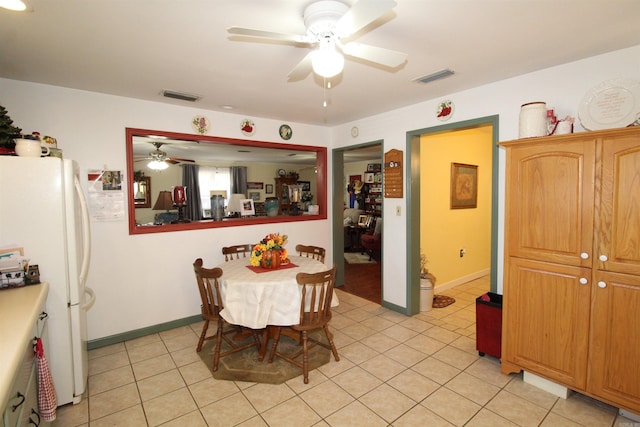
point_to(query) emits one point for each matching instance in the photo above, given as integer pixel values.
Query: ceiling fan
(160, 160)
(329, 25)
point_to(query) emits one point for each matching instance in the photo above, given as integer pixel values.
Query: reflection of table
(258, 300)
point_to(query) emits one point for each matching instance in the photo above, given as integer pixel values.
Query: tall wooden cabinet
(282, 193)
(571, 304)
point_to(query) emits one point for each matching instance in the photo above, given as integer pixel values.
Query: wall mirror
(222, 165)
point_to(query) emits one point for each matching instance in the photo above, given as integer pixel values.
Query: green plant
(424, 271)
(8, 132)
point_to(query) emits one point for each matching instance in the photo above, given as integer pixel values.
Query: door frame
(413, 204)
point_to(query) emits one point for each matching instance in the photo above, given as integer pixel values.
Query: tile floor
(394, 371)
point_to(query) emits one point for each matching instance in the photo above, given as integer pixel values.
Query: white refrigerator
(44, 211)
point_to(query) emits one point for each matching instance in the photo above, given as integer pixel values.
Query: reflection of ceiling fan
(328, 23)
(159, 158)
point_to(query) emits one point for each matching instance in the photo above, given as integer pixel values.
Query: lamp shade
(163, 202)
(327, 61)
(235, 201)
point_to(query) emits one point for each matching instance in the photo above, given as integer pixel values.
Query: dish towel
(47, 401)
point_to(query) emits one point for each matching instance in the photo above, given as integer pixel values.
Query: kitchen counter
(19, 310)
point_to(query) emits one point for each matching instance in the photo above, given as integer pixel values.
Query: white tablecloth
(256, 300)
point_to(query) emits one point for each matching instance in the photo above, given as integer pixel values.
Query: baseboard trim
(125, 336)
(461, 280)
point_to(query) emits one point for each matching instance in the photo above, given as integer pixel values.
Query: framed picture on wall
(268, 188)
(255, 195)
(464, 186)
(368, 177)
(306, 185)
(255, 185)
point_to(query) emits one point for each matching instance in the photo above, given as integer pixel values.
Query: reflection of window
(212, 179)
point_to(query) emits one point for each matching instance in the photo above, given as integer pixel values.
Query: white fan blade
(362, 14)
(268, 35)
(379, 55)
(303, 68)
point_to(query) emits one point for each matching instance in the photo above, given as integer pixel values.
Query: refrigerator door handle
(92, 298)
(86, 231)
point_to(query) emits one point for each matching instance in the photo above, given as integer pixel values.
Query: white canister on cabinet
(533, 120)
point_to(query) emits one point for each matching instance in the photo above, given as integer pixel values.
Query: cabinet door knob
(603, 258)
(583, 281)
(602, 284)
(584, 255)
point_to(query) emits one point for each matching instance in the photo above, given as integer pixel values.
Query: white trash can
(426, 294)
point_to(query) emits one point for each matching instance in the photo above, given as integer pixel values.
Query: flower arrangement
(271, 242)
(307, 196)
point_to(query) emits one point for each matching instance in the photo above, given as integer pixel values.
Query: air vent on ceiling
(434, 76)
(181, 96)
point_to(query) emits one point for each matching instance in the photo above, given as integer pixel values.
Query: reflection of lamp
(327, 61)
(235, 202)
(295, 195)
(157, 165)
(163, 202)
(180, 200)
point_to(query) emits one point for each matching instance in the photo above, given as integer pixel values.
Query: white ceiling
(137, 48)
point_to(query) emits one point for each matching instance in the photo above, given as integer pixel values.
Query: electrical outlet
(398, 212)
(462, 252)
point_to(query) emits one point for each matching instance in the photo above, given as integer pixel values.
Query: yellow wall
(445, 231)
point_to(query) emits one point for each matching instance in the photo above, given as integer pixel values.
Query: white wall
(562, 87)
(147, 279)
(144, 280)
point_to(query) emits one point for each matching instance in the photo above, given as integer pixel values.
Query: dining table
(260, 298)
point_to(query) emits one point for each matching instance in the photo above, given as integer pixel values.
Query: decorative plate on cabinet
(200, 124)
(612, 104)
(285, 132)
(247, 127)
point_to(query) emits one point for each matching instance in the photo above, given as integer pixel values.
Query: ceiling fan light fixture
(157, 165)
(16, 5)
(327, 62)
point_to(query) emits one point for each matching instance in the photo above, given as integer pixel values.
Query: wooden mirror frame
(321, 183)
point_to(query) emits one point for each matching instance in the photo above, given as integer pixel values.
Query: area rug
(244, 365)
(358, 258)
(440, 301)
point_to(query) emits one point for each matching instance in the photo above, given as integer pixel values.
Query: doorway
(360, 275)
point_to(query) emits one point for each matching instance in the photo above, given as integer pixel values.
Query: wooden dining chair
(315, 252)
(236, 252)
(315, 313)
(209, 288)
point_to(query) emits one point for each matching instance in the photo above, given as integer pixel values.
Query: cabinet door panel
(619, 215)
(551, 195)
(615, 340)
(546, 319)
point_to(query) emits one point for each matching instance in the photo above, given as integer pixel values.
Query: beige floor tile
(436, 370)
(147, 339)
(451, 406)
(441, 334)
(130, 417)
(195, 372)
(160, 384)
(169, 406)
(211, 390)
(108, 362)
(516, 409)
(472, 388)
(413, 385)
(425, 344)
(339, 322)
(146, 351)
(531, 393)
(293, 412)
(585, 411)
(185, 356)
(421, 416)
(334, 368)
(394, 316)
(356, 381)
(315, 377)
(387, 402)
(466, 344)
(256, 421)
(555, 420)
(104, 351)
(359, 315)
(455, 357)
(72, 415)
(151, 367)
(415, 324)
(175, 343)
(178, 332)
(377, 323)
(355, 414)
(229, 411)
(405, 355)
(357, 352)
(192, 419)
(358, 331)
(110, 379)
(400, 333)
(266, 396)
(112, 401)
(379, 342)
(488, 370)
(326, 398)
(486, 418)
(382, 367)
